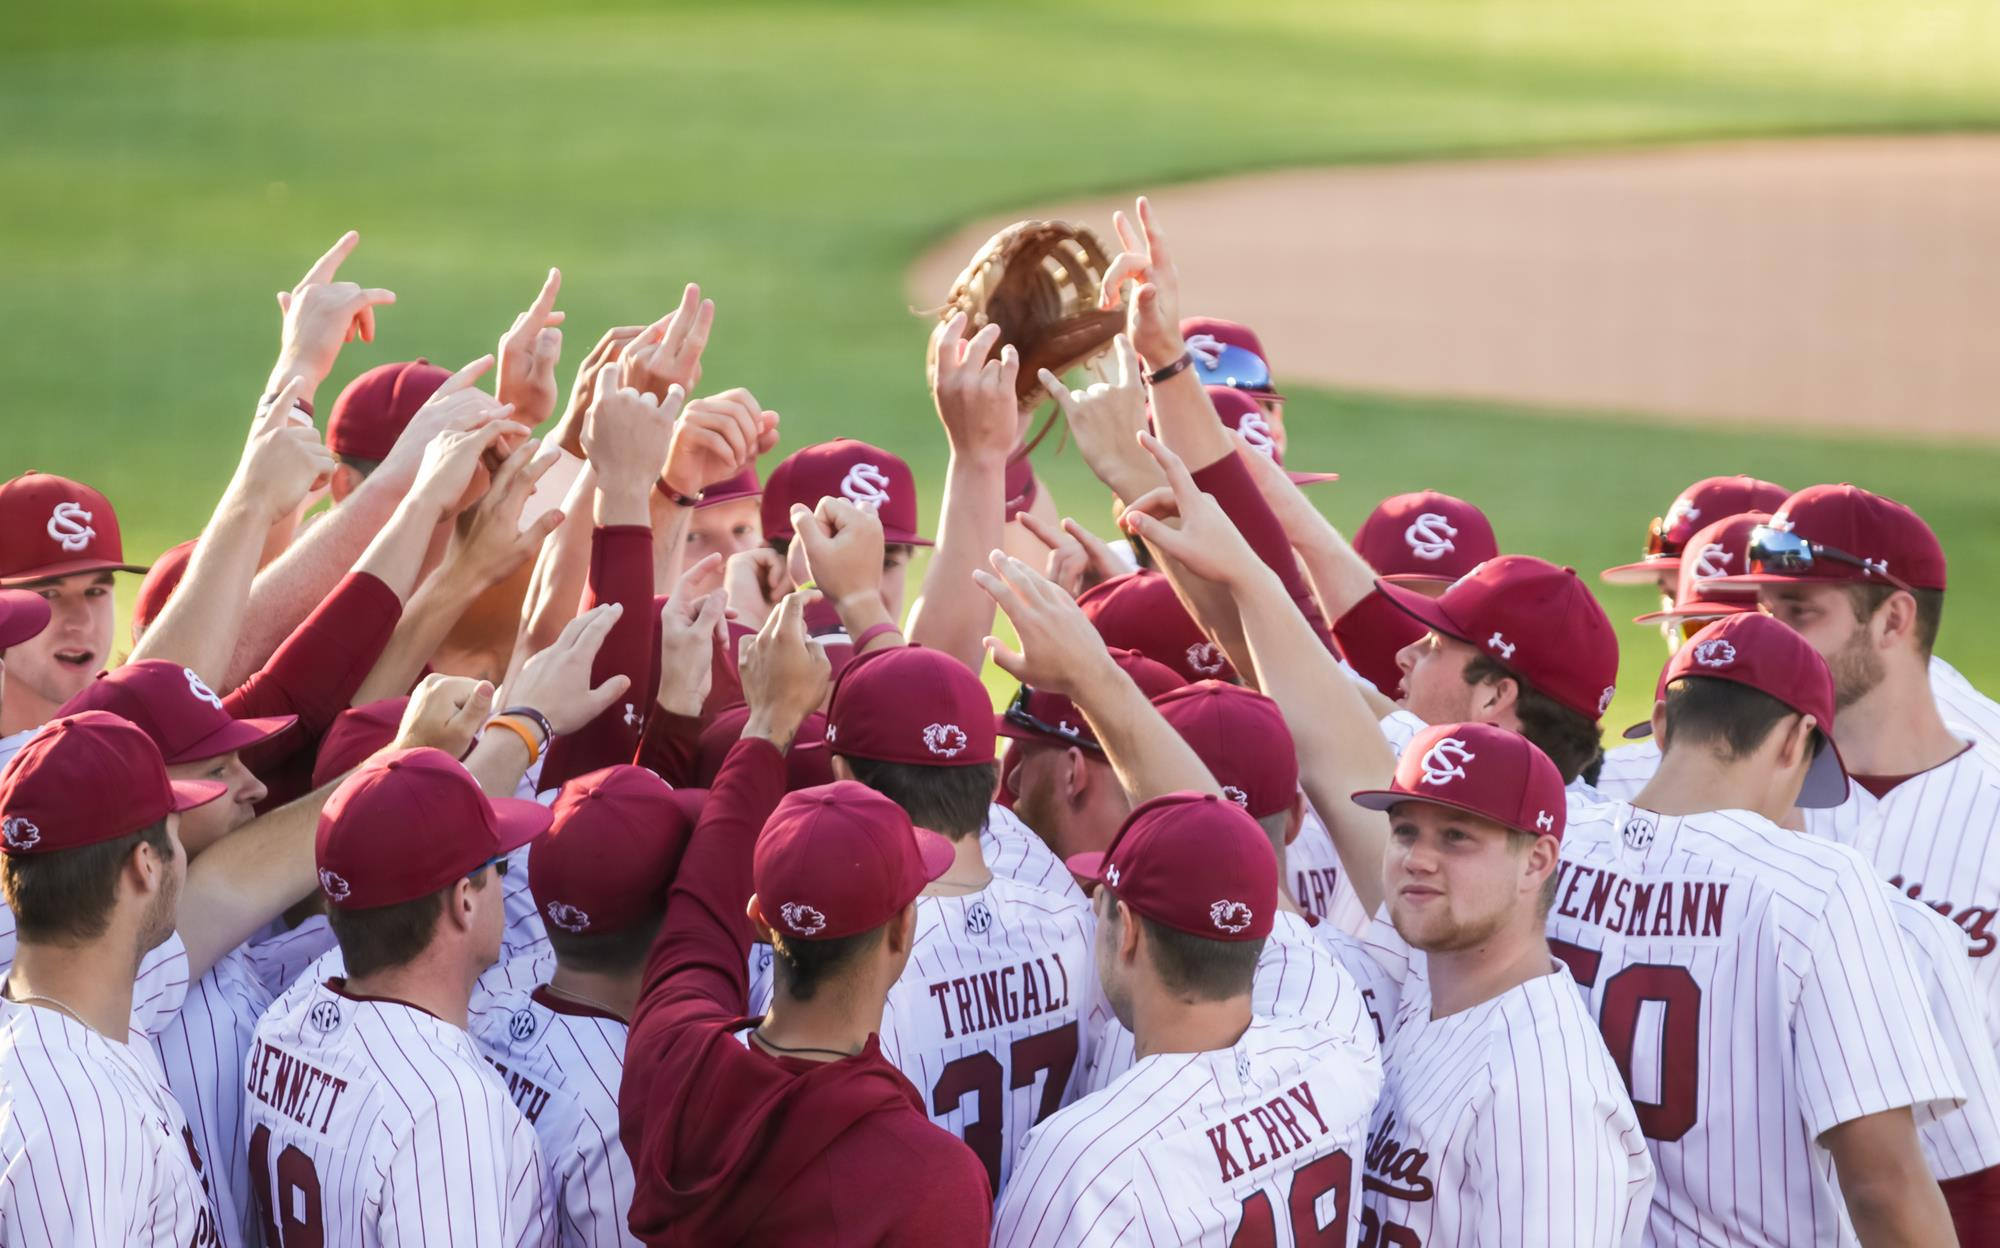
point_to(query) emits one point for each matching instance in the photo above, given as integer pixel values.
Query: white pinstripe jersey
(1627, 769)
(93, 1149)
(1962, 704)
(374, 1123)
(986, 1019)
(1296, 979)
(1968, 1141)
(157, 992)
(563, 1063)
(1253, 1146)
(1317, 880)
(1753, 987)
(1380, 993)
(1504, 1123)
(1012, 849)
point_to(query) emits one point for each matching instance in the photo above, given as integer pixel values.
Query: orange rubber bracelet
(520, 728)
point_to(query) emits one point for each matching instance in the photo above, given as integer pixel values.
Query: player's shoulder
(59, 1079)
(1029, 903)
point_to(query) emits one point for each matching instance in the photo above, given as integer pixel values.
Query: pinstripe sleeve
(596, 1189)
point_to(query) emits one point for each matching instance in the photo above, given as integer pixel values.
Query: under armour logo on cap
(1712, 561)
(1204, 657)
(568, 917)
(69, 527)
(19, 833)
(1445, 761)
(944, 740)
(1111, 875)
(1501, 644)
(801, 918)
(1430, 535)
(199, 688)
(1715, 652)
(331, 883)
(1229, 916)
(1545, 821)
(865, 485)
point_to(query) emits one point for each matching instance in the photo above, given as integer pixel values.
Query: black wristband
(536, 718)
(1173, 370)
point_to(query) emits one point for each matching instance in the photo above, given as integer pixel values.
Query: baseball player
(726, 519)
(1790, 1053)
(599, 876)
(1424, 540)
(1231, 1127)
(1503, 1119)
(371, 1117)
(93, 1148)
(1240, 737)
(1669, 536)
(866, 476)
(1715, 550)
(986, 1017)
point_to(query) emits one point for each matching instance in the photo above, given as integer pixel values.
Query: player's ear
(1075, 776)
(1128, 933)
(1495, 698)
(459, 911)
(1798, 744)
(345, 481)
(757, 922)
(903, 931)
(1660, 723)
(1295, 818)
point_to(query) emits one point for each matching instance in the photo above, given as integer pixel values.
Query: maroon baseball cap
(1039, 715)
(1139, 611)
(356, 733)
(89, 778)
(1704, 502)
(410, 822)
(1192, 861)
(375, 408)
(613, 846)
(23, 615)
(911, 704)
(1537, 620)
(841, 859)
(1756, 650)
(1862, 538)
(1241, 737)
(1238, 410)
(1425, 537)
(808, 763)
(177, 709)
(1482, 770)
(864, 475)
(1714, 551)
(52, 526)
(743, 485)
(1229, 353)
(159, 584)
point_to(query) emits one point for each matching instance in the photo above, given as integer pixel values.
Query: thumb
(1009, 661)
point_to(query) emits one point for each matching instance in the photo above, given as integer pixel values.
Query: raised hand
(488, 543)
(459, 404)
(690, 623)
(1189, 526)
(284, 460)
(1078, 559)
(1105, 418)
(784, 673)
(1060, 650)
(320, 314)
(447, 480)
(974, 389)
(556, 682)
(568, 433)
(627, 435)
(528, 354)
(444, 713)
(1153, 316)
(717, 436)
(667, 353)
(843, 550)
(754, 581)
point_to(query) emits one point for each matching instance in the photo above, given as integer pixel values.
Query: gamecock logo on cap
(1236, 795)
(865, 485)
(568, 917)
(1229, 916)
(331, 883)
(1430, 536)
(1713, 561)
(69, 527)
(1604, 699)
(802, 919)
(1682, 512)
(1716, 652)
(945, 740)
(1204, 657)
(19, 833)
(199, 688)
(1445, 761)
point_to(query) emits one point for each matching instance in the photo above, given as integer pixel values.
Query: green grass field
(168, 165)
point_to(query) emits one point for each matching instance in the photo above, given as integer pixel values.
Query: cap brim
(1639, 731)
(1087, 868)
(189, 794)
(1418, 578)
(1826, 780)
(237, 735)
(22, 616)
(905, 539)
(1383, 799)
(516, 821)
(1020, 732)
(1645, 572)
(716, 500)
(72, 567)
(1420, 607)
(1751, 580)
(1312, 478)
(935, 854)
(1697, 610)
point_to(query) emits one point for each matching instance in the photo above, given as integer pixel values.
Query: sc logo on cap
(1713, 561)
(1429, 536)
(1445, 761)
(865, 485)
(199, 688)
(69, 527)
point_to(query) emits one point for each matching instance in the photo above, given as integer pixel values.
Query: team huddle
(579, 840)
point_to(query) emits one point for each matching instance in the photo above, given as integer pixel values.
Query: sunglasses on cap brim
(1788, 554)
(499, 866)
(1017, 714)
(1236, 368)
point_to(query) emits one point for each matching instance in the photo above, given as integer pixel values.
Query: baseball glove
(1038, 281)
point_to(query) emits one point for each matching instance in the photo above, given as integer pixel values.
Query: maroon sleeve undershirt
(319, 668)
(670, 745)
(621, 571)
(1229, 481)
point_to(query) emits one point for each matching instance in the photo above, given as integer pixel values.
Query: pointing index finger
(327, 265)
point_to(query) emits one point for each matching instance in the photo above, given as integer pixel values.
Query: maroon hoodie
(730, 1144)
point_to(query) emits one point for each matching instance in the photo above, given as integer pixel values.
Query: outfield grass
(169, 164)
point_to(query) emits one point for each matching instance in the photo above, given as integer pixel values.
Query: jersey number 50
(1679, 999)
(293, 1219)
